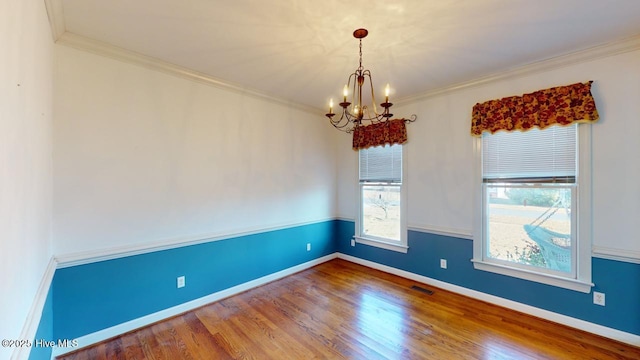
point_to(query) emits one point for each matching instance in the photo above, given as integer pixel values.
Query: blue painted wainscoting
(619, 280)
(39, 350)
(88, 298)
(92, 297)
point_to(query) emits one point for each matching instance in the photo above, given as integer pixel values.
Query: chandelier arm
(411, 118)
(366, 113)
(341, 123)
(373, 96)
(354, 99)
(355, 94)
(338, 126)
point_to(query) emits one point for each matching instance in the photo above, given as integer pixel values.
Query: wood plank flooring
(341, 310)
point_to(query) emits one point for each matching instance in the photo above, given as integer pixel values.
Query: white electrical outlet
(598, 298)
(443, 263)
(308, 246)
(353, 242)
(181, 282)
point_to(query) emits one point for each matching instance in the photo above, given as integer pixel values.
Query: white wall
(25, 159)
(440, 152)
(141, 156)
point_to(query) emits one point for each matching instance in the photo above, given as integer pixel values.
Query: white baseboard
(607, 332)
(119, 329)
(35, 312)
(98, 336)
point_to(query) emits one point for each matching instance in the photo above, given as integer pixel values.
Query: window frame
(581, 279)
(384, 243)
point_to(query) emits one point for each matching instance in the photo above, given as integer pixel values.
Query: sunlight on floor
(384, 322)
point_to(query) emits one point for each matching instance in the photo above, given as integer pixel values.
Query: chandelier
(354, 112)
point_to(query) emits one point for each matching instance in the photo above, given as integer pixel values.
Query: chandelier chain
(360, 67)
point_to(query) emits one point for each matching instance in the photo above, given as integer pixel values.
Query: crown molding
(55, 13)
(117, 53)
(577, 57)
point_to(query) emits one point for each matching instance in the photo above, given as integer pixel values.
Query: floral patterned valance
(562, 105)
(386, 132)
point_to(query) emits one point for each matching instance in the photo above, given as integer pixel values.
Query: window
(528, 223)
(381, 207)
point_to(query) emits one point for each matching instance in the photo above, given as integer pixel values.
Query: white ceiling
(303, 50)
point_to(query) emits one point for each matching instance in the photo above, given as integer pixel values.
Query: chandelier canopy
(354, 112)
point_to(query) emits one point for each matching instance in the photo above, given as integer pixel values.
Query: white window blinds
(381, 164)
(534, 155)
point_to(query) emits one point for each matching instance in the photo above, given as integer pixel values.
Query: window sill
(566, 283)
(382, 244)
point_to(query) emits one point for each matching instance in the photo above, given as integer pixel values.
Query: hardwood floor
(340, 310)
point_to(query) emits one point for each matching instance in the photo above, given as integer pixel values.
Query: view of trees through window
(381, 211)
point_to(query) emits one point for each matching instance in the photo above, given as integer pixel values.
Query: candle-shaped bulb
(331, 106)
(345, 92)
(386, 94)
